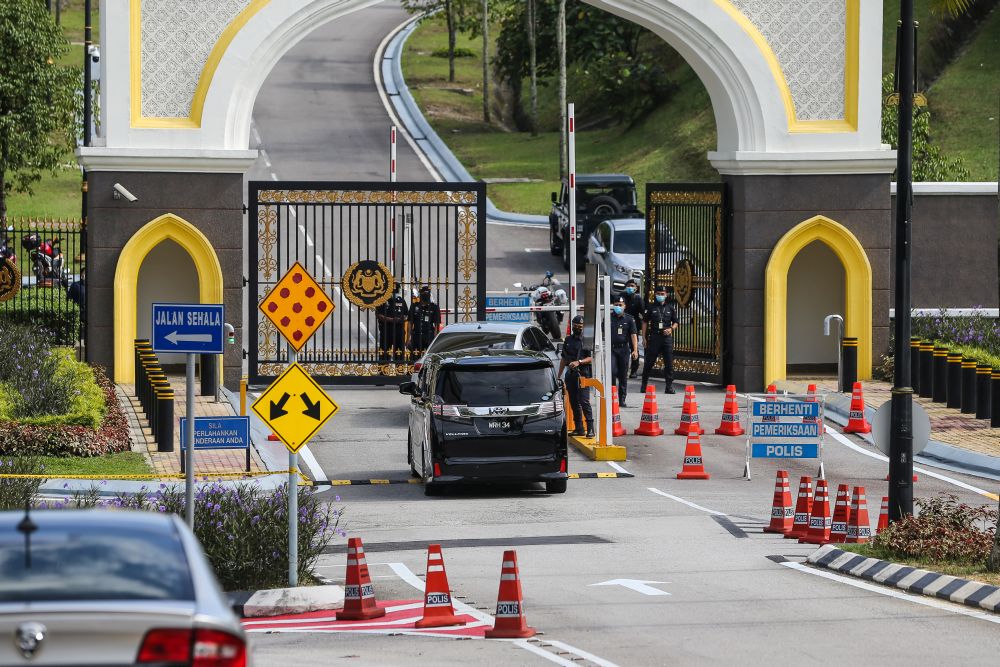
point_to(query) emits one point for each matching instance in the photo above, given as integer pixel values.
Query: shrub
(976, 331)
(460, 52)
(16, 491)
(111, 436)
(944, 530)
(76, 379)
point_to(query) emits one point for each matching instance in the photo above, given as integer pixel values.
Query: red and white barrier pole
(571, 147)
(392, 218)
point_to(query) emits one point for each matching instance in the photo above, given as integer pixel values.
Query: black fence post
(968, 386)
(983, 402)
(209, 374)
(954, 380)
(926, 369)
(915, 364)
(165, 421)
(940, 392)
(849, 364)
(995, 399)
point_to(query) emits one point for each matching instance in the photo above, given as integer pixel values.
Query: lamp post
(901, 433)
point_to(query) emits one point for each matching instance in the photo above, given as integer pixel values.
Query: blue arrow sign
(218, 432)
(194, 328)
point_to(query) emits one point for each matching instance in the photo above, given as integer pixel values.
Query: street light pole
(901, 434)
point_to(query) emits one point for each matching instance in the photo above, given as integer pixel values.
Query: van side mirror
(409, 388)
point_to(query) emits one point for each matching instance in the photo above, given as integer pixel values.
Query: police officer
(576, 361)
(624, 346)
(391, 317)
(425, 318)
(658, 326)
(636, 307)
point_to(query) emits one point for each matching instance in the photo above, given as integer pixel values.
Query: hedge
(87, 405)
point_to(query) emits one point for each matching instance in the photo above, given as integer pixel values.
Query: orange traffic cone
(841, 514)
(811, 398)
(859, 530)
(693, 468)
(820, 519)
(690, 422)
(359, 596)
(803, 506)
(271, 437)
(883, 516)
(617, 429)
(510, 623)
(857, 422)
(730, 415)
(772, 395)
(649, 422)
(782, 511)
(438, 611)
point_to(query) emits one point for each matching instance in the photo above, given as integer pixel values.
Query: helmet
(578, 320)
(544, 294)
(548, 274)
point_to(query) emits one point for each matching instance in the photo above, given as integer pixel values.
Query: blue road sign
(784, 430)
(509, 301)
(785, 450)
(218, 432)
(785, 409)
(194, 328)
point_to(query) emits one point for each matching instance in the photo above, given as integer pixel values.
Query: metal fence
(41, 262)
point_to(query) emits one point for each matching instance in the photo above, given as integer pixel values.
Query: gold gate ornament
(684, 282)
(10, 280)
(367, 284)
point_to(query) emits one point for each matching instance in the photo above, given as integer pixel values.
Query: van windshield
(487, 387)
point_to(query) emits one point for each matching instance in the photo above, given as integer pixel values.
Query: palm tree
(951, 7)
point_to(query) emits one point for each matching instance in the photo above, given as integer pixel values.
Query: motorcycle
(547, 293)
(46, 260)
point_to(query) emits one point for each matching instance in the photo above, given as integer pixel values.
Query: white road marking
(873, 588)
(618, 468)
(637, 585)
(274, 176)
(311, 462)
(539, 651)
(531, 250)
(589, 656)
(686, 502)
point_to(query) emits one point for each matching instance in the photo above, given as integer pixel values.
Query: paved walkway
(948, 425)
(210, 462)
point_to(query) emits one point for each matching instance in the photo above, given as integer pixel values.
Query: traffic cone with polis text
(841, 514)
(811, 398)
(359, 595)
(510, 620)
(857, 422)
(730, 415)
(649, 422)
(782, 512)
(859, 530)
(694, 467)
(690, 421)
(617, 430)
(803, 506)
(438, 610)
(883, 516)
(820, 520)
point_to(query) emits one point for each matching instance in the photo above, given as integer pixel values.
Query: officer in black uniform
(658, 326)
(624, 346)
(636, 307)
(576, 361)
(391, 318)
(425, 319)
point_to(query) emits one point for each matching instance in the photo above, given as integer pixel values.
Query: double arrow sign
(312, 409)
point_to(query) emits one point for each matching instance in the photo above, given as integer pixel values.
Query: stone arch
(857, 291)
(206, 262)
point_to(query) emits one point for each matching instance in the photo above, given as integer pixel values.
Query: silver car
(490, 336)
(619, 247)
(102, 587)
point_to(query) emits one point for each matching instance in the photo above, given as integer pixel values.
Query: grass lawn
(974, 572)
(55, 196)
(668, 145)
(123, 463)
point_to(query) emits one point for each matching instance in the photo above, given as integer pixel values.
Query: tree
(533, 59)
(486, 61)
(561, 41)
(457, 13)
(951, 7)
(38, 98)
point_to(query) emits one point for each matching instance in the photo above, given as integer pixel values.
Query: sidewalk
(207, 462)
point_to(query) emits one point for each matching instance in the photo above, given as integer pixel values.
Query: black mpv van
(487, 416)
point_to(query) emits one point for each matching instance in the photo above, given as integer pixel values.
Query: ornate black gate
(416, 233)
(686, 251)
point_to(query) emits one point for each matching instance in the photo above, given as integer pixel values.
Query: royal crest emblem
(10, 280)
(684, 282)
(367, 284)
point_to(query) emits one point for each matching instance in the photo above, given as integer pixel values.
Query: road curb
(589, 448)
(910, 579)
(279, 601)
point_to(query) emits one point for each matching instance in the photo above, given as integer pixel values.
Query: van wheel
(556, 486)
(555, 245)
(565, 254)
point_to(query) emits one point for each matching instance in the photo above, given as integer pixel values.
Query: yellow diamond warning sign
(295, 407)
(297, 306)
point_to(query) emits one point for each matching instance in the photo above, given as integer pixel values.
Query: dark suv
(599, 197)
(486, 416)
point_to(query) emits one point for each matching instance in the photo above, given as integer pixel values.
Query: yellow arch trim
(852, 47)
(187, 236)
(193, 121)
(858, 292)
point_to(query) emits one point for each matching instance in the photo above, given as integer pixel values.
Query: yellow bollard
(570, 424)
(243, 396)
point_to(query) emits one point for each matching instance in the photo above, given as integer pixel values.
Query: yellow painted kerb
(858, 292)
(852, 46)
(193, 120)
(187, 236)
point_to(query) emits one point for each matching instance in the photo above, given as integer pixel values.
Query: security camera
(120, 192)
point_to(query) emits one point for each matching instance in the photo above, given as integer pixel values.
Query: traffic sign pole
(189, 442)
(293, 503)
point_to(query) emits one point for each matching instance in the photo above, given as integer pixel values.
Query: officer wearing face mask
(425, 318)
(576, 361)
(624, 347)
(636, 307)
(658, 326)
